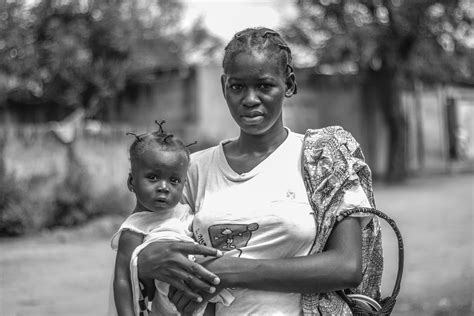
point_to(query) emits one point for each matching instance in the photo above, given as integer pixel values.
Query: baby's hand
(187, 306)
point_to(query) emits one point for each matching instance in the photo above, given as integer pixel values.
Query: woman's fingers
(169, 262)
(197, 269)
(203, 274)
(159, 256)
(194, 282)
(196, 249)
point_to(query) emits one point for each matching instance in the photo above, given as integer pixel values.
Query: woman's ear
(223, 84)
(290, 85)
(130, 182)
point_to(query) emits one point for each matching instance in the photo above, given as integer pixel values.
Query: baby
(159, 164)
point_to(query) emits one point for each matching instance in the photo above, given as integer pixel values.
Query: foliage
(114, 201)
(71, 54)
(45, 201)
(433, 40)
(21, 211)
(12, 220)
(72, 199)
(76, 203)
(387, 42)
(71, 203)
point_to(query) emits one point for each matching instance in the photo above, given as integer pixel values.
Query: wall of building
(191, 102)
(170, 97)
(331, 100)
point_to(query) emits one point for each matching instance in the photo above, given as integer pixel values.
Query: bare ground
(67, 272)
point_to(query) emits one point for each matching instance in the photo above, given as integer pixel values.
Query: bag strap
(389, 302)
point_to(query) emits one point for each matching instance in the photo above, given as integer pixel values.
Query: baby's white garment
(155, 228)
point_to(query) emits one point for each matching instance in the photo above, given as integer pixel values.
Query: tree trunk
(387, 91)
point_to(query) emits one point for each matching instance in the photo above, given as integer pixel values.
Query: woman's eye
(235, 86)
(175, 180)
(265, 86)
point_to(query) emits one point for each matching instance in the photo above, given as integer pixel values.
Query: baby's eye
(175, 180)
(265, 86)
(151, 177)
(236, 86)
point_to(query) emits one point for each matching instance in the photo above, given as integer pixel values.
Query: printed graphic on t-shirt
(228, 237)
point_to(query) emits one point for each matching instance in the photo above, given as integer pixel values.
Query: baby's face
(158, 179)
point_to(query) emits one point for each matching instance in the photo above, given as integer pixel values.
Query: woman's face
(254, 88)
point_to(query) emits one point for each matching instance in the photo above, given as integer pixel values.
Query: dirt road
(68, 272)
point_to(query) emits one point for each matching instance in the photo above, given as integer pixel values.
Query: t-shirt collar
(230, 174)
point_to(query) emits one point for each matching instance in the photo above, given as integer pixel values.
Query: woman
(250, 200)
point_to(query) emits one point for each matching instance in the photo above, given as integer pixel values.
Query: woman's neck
(248, 151)
(260, 144)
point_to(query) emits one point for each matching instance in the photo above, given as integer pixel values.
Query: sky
(226, 17)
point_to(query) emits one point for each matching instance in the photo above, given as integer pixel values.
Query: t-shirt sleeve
(355, 197)
(188, 197)
(186, 217)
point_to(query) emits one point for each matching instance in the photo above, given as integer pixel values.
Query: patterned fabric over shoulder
(332, 163)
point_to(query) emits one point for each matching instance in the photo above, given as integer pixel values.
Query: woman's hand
(168, 262)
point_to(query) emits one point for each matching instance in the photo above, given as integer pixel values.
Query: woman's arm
(339, 266)
(122, 286)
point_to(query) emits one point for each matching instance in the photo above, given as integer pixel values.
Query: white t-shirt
(261, 214)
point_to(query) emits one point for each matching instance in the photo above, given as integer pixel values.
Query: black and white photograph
(236, 157)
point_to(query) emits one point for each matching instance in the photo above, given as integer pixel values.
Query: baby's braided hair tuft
(261, 40)
(160, 139)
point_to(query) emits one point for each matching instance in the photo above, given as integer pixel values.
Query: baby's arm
(123, 296)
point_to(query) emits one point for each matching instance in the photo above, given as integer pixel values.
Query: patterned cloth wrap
(332, 163)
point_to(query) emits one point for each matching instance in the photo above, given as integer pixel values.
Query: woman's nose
(251, 98)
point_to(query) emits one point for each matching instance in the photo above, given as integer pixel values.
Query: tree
(72, 54)
(389, 42)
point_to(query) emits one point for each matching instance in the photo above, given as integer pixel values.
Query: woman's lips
(252, 118)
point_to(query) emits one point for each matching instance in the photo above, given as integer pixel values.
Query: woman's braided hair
(261, 40)
(160, 139)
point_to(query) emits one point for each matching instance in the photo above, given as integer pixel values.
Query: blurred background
(76, 75)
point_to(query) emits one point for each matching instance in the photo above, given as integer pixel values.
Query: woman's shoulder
(203, 159)
(328, 131)
(204, 153)
(208, 156)
(335, 135)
